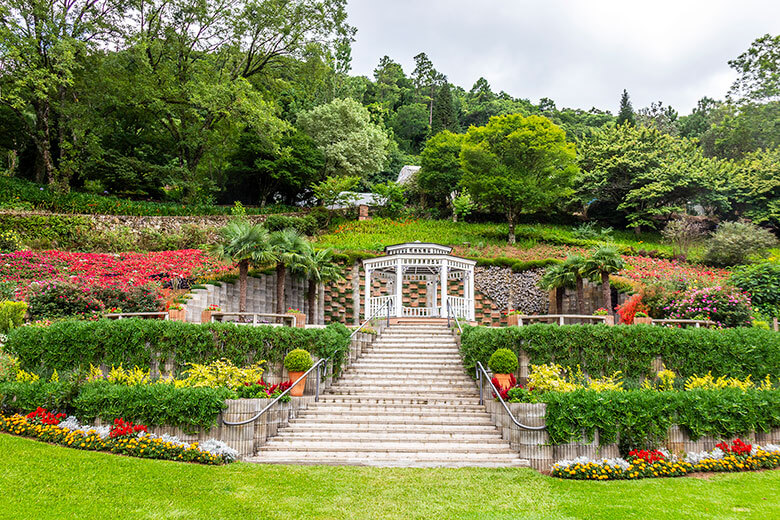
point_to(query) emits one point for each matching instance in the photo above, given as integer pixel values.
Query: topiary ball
(503, 361)
(298, 360)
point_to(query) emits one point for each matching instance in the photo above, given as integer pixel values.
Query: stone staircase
(405, 402)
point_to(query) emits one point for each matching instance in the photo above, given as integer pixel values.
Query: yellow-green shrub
(11, 315)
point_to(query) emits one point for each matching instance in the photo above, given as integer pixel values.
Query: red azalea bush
(122, 428)
(261, 389)
(628, 310)
(649, 456)
(738, 447)
(726, 306)
(43, 416)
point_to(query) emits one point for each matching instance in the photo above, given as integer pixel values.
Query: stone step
(299, 425)
(419, 380)
(384, 399)
(387, 366)
(412, 359)
(389, 408)
(487, 438)
(451, 448)
(406, 371)
(411, 421)
(379, 414)
(388, 460)
(418, 388)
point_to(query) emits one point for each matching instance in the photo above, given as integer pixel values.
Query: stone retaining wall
(535, 445)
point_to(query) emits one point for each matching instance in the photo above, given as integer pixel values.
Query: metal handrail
(315, 366)
(449, 309)
(480, 371)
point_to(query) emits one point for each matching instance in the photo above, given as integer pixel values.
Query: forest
(207, 103)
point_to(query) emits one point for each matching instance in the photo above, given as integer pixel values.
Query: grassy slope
(42, 481)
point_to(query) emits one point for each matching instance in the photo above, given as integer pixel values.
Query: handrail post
(317, 386)
(481, 398)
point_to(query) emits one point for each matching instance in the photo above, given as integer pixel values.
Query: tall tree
(440, 171)
(343, 130)
(426, 80)
(599, 266)
(626, 112)
(389, 77)
(517, 164)
(318, 267)
(444, 117)
(43, 45)
(244, 243)
(289, 248)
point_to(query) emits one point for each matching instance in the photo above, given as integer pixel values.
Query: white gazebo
(421, 262)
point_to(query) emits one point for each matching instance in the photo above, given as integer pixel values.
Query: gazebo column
(367, 306)
(399, 287)
(444, 279)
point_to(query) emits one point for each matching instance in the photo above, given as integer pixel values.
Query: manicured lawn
(42, 481)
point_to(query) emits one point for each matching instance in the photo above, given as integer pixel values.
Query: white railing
(376, 303)
(459, 306)
(420, 312)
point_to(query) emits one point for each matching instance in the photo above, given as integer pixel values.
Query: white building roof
(406, 173)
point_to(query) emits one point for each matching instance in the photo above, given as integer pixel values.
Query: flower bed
(642, 269)
(122, 438)
(90, 270)
(659, 463)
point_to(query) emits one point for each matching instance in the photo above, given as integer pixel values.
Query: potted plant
(608, 320)
(512, 318)
(176, 312)
(297, 362)
(205, 316)
(503, 363)
(642, 318)
(300, 317)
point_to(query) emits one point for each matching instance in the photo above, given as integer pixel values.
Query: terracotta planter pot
(610, 320)
(205, 316)
(504, 380)
(512, 320)
(297, 390)
(643, 320)
(300, 319)
(177, 315)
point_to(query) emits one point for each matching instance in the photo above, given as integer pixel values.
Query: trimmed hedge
(641, 418)
(602, 350)
(73, 344)
(153, 405)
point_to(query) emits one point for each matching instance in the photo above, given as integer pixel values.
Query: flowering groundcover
(122, 437)
(738, 456)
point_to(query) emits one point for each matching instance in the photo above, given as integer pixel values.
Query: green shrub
(733, 243)
(10, 240)
(73, 344)
(726, 306)
(9, 365)
(601, 350)
(762, 281)
(298, 360)
(503, 361)
(153, 405)
(641, 418)
(67, 300)
(305, 225)
(18, 397)
(11, 315)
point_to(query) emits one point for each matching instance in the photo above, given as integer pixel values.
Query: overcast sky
(580, 53)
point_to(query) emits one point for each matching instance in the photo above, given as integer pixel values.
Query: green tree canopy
(343, 130)
(517, 164)
(440, 171)
(757, 187)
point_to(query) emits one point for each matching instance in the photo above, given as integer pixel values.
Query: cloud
(579, 53)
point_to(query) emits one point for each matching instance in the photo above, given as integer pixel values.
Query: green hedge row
(600, 349)
(73, 344)
(152, 405)
(641, 418)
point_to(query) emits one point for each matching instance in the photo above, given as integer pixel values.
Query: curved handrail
(315, 366)
(480, 371)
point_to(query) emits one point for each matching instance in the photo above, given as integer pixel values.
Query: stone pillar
(368, 294)
(363, 212)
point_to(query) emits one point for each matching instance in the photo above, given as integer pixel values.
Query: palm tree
(575, 264)
(243, 243)
(604, 261)
(317, 266)
(288, 246)
(559, 278)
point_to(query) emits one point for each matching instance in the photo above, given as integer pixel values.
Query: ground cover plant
(86, 486)
(122, 437)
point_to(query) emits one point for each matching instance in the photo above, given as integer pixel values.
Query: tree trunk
(311, 297)
(580, 296)
(42, 139)
(606, 292)
(637, 230)
(243, 273)
(281, 272)
(510, 217)
(559, 292)
(454, 216)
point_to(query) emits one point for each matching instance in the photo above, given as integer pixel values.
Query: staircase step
(461, 449)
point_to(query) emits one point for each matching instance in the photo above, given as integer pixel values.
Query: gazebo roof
(418, 248)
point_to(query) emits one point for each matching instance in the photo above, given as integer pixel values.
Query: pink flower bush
(642, 269)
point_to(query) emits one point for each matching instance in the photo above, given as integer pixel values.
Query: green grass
(42, 481)
(373, 235)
